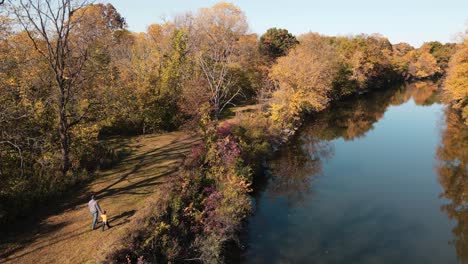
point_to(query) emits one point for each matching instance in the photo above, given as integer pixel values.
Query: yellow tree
(456, 84)
(66, 34)
(27, 152)
(304, 78)
(48, 26)
(422, 64)
(370, 59)
(399, 62)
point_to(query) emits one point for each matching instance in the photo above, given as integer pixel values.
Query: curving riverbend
(379, 178)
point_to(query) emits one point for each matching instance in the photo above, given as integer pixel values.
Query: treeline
(322, 69)
(72, 75)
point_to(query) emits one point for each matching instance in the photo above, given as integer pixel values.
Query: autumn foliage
(456, 84)
(82, 77)
(321, 69)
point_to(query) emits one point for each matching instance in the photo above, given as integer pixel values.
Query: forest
(72, 77)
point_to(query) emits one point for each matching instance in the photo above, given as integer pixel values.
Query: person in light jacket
(95, 210)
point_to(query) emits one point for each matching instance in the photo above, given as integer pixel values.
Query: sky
(411, 21)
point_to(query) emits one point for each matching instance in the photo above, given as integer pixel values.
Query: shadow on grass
(44, 229)
(161, 155)
(115, 221)
(121, 219)
(135, 175)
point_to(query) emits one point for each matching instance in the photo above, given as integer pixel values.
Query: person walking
(95, 209)
(104, 220)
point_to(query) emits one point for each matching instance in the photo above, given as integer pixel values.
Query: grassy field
(66, 236)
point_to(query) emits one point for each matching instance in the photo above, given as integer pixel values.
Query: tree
(170, 81)
(441, 52)
(422, 65)
(304, 78)
(399, 62)
(217, 30)
(369, 59)
(50, 25)
(249, 70)
(276, 42)
(26, 119)
(456, 84)
(365, 61)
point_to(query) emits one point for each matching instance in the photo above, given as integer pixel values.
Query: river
(377, 178)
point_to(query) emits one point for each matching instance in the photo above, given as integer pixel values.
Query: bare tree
(217, 30)
(49, 25)
(215, 67)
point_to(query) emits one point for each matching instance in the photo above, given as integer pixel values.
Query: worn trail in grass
(66, 236)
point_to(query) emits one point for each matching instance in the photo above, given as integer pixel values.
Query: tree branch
(19, 151)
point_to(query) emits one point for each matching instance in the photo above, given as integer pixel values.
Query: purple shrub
(196, 156)
(224, 129)
(141, 260)
(209, 190)
(211, 221)
(228, 149)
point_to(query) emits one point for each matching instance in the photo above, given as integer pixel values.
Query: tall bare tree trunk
(48, 24)
(64, 131)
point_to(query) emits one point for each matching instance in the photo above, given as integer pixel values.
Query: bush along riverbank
(201, 209)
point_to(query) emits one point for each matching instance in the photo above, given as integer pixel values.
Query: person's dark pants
(105, 224)
(95, 220)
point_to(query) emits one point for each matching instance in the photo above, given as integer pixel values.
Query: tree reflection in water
(295, 166)
(422, 92)
(452, 168)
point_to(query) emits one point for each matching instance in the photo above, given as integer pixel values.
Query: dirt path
(66, 237)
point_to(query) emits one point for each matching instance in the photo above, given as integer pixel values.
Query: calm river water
(380, 178)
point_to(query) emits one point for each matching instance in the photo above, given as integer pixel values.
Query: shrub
(202, 209)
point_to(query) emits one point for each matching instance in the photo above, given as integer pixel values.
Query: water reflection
(424, 93)
(377, 201)
(351, 118)
(453, 176)
(295, 166)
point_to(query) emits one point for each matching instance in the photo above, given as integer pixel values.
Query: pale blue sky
(412, 21)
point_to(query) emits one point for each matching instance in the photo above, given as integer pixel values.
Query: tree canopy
(276, 42)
